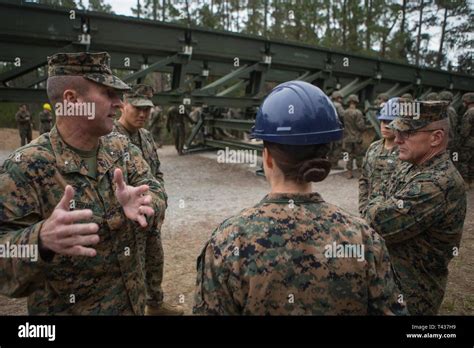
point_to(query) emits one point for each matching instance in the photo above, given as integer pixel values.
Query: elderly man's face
(414, 145)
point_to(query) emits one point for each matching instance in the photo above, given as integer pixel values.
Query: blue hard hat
(389, 110)
(297, 113)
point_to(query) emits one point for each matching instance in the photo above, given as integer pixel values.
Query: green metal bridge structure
(207, 68)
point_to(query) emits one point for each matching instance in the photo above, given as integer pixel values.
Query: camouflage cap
(353, 98)
(432, 96)
(446, 95)
(336, 94)
(92, 66)
(140, 95)
(407, 97)
(419, 114)
(468, 98)
(382, 96)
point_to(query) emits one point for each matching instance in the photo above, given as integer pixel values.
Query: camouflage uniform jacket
(270, 260)
(453, 128)
(144, 141)
(339, 110)
(467, 129)
(379, 164)
(354, 125)
(23, 119)
(421, 218)
(32, 182)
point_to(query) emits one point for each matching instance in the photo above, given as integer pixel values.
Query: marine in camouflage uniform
(336, 147)
(272, 259)
(156, 125)
(23, 121)
(32, 183)
(421, 218)
(135, 109)
(453, 121)
(466, 145)
(45, 119)
(377, 168)
(176, 124)
(269, 260)
(354, 124)
(380, 160)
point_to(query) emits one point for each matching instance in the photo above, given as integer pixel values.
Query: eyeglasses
(407, 134)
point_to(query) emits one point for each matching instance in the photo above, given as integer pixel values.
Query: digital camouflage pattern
(23, 121)
(140, 95)
(354, 126)
(466, 145)
(421, 218)
(453, 128)
(92, 66)
(270, 260)
(468, 98)
(377, 168)
(430, 111)
(407, 97)
(336, 146)
(154, 247)
(46, 121)
(32, 182)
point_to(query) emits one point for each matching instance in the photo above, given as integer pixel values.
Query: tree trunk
(163, 10)
(443, 32)
(368, 6)
(344, 24)
(418, 37)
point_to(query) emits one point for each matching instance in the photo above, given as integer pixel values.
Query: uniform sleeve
(360, 122)
(408, 212)
(383, 289)
(157, 164)
(154, 259)
(465, 130)
(364, 184)
(20, 223)
(213, 295)
(139, 173)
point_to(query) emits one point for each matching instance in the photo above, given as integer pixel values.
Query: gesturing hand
(134, 200)
(61, 234)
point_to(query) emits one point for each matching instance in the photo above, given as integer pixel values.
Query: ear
(267, 158)
(70, 96)
(438, 137)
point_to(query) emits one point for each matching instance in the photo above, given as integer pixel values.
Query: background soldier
(432, 96)
(466, 148)
(453, 121)
(156, 125)
(76, 187)
(273, 259)
(407, 97)
(176, 122)
(336, 146)
(380, 160)
(422, 213)
(23, 121)
(136, 109)
(354, 126)
(46, 119)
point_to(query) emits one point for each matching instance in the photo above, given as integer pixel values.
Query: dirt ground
(203, 192)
